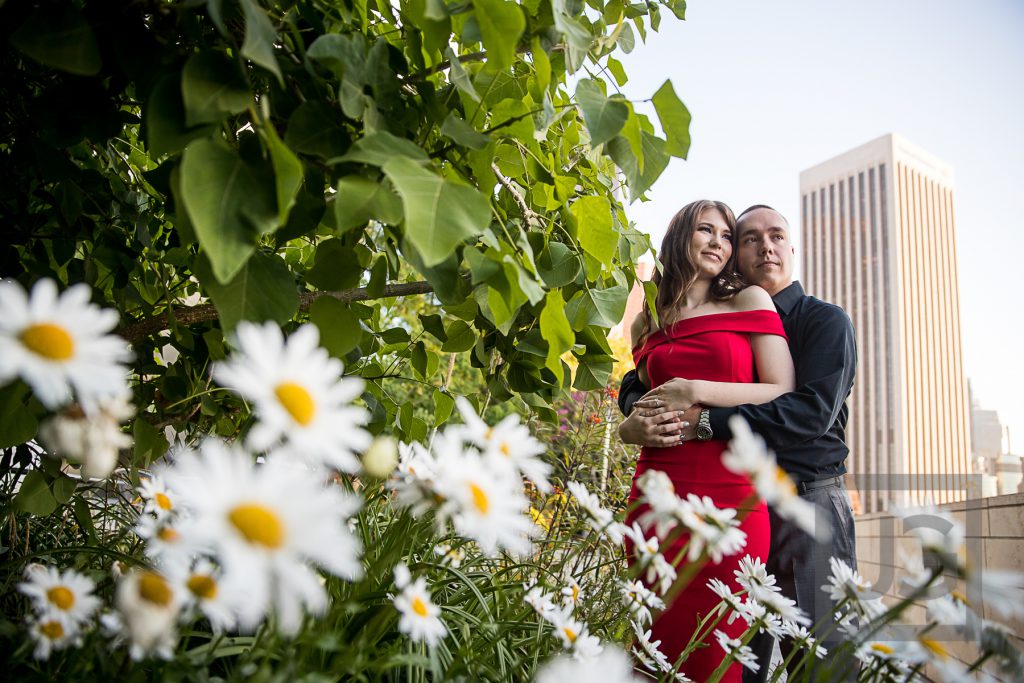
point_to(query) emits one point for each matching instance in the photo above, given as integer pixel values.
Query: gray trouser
(801, 567)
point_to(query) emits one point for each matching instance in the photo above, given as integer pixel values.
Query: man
(806, 427)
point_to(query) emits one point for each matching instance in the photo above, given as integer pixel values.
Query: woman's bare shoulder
(753, 298)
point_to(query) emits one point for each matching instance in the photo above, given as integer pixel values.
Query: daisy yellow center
(168, 535)
(49, 341)
(163, 502)
(935, 647)
(202, 586)
(62, 597)
(297, 401)
(258, 524)
(783, 479)
(960, 597)
(480, 499)
(881, 647)
(154, 589)
(52, 630)
(419, 607)
(570, 634)
(575, 593)
(505, 450)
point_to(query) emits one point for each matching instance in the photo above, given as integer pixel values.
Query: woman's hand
(676, 394)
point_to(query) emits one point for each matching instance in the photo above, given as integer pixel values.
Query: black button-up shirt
(806, 427)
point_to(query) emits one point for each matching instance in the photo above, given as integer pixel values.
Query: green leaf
(443, 404)
(166, 132)
(378, 277)
(260, 37)
(360, 199)
(335, 266)
(651, 300)
(634, 136)
(439, 213)
(17, 422)
(501, 25)
(463, 133)
(675, 120)
(678, 8)
(461, 337)
(264, 289)
(227, 204)
(314, 128)
(558, 265)
(63, 487)
(601, 307)
(287, 173)
(615, 66)
(433, 324)
(593, 373)
(377, 149)
(655, 161)
(339, 327)
(59, 37)
(34, 496)
(604, 117)
(594, 227)
(458, 75)
(555, 330)
(541, 63)
(212, 87)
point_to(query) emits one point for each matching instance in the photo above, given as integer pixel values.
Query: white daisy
(571, 593)
(93, 441)
(713, 530)
(541, 601)
(600, 519)
(484, 502)
(303, 404)
(148, 608)
(801, 635)
(663, 505)
(610, 666)
(748, 454)
(753, 575)
(51, 633)
(59, 343)
(508, 440)
(568, 629)
(65, 594)
(420, 618)
(649, 651)
(998, 589)
(157, 498)
(723, 591)
(414, 481)
(846, 583)
(165, 543)
(740, 652)
(203, 589)
(265, 524)
(450, 557)
(649, 557)
(640, 600)
(786, 608)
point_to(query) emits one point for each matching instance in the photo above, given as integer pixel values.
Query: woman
(719, 344)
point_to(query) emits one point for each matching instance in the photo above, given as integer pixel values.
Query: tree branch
(147, 327)
(529, 214)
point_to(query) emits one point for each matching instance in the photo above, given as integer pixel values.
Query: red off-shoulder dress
(714, 347)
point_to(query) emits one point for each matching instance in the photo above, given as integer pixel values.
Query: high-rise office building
(879, 241)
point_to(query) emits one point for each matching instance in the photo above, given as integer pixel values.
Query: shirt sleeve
(630, 391)
(825, 372)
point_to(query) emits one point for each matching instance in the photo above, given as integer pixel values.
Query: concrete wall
(994, 539)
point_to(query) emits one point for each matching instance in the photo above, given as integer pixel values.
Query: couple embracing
(736, 334)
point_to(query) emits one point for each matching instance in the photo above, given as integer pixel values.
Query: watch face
(703, 433)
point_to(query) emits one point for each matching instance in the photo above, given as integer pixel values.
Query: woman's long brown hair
(678, 271)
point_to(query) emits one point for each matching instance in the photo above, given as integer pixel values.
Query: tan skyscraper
(879, 240)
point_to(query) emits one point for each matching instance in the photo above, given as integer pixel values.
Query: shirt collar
(787, 299)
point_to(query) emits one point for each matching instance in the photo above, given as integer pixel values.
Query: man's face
(764, 253)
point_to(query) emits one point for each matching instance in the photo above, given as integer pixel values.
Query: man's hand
(655, 426)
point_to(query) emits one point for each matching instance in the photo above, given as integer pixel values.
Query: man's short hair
(755, 207)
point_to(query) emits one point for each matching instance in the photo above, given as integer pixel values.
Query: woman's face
(711, 243)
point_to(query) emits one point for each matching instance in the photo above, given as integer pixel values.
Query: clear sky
(777, 87)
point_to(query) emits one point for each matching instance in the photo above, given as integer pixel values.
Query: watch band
(703, 430)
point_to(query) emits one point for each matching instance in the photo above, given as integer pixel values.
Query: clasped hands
(664, 416)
